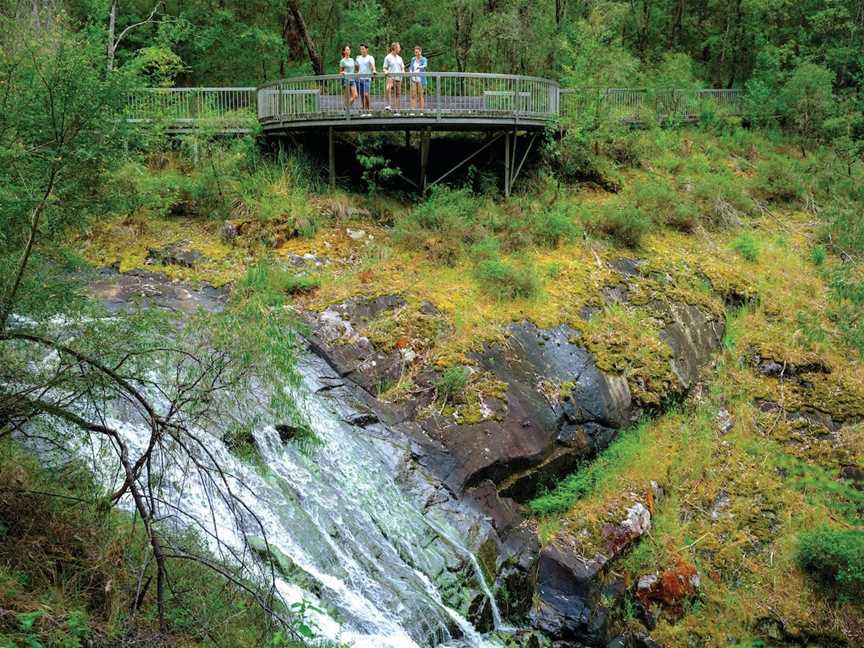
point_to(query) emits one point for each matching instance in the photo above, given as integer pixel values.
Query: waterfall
(378, 567)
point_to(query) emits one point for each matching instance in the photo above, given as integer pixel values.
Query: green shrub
(452, 383)
(554, 226)
(683, 217)
(300, 283)
(271, 282)
(835, 560)
(504, 280)
(442, 225)
(779, 180)
(624, 224)
(746, 246)
(723, 198)
(807, 99)
(818, 254)
(843, 229)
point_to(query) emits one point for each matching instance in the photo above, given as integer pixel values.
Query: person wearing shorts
(393, 65)
(349, 84)
(417, 68)
(366, 70)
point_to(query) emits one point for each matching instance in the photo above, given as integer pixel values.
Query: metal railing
(640, 104)
(187, 107)
(444, 94)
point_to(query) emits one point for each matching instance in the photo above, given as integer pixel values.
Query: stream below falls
(375, 549)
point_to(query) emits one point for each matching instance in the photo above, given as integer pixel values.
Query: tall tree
(311, 49)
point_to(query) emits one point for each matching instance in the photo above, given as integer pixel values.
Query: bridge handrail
(476, 94)
(432, 74)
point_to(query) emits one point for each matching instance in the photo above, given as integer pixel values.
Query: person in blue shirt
(417, 70)
(346, 69)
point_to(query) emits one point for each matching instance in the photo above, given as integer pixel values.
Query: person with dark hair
(366, 70)
(393, 65)
(346, 69)
(417, 67)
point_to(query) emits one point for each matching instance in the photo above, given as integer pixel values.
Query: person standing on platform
(366, 70)
(346, 69)
(393, 65)
(417, 68)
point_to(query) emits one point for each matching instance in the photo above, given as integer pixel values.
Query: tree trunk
(112, 25)
(8, 301)
(314, 56)
(293, 41)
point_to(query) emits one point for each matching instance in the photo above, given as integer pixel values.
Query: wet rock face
(517, 553)
(693, 337)
(560, 408)
(125, 291)
(335, 336)
(568, 596)
(178, 253)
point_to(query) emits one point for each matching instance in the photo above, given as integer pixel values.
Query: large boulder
(560, 409)
(568, 597)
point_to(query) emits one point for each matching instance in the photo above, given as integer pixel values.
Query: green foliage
(847, 307)
(60, 129)
(442, 225)
(625, 224)
(377, 169)
(506, 280)
(835, 561)
(553, 226)
(591, 475)
(780, 180)
(843, 229)
(808, 99)
(452, 383)
(746, 246)
(818, 254)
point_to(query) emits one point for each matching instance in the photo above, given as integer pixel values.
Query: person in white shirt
(393, 65)
(346, 69)
(366, 69)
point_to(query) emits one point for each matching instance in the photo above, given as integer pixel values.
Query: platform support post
(425, 141)
(407, 139)
(331, 149)
(507, 164)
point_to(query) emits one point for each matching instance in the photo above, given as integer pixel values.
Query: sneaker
(396, 114)
(387, 108)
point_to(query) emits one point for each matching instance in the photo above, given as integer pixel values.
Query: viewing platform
(452, 101)
(501, 105)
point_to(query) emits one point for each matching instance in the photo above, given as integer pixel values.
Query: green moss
(626, 342)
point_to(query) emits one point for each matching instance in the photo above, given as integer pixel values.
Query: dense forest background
(586, 42)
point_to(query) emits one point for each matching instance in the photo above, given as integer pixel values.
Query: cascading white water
(359, 548)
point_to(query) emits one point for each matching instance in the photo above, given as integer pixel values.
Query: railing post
(507, 164)
(438, 98)
(331, 148)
